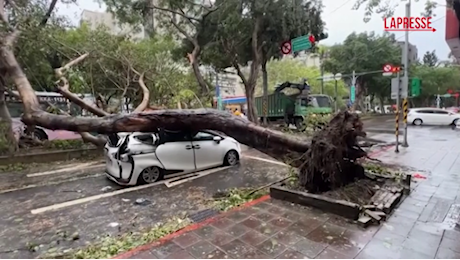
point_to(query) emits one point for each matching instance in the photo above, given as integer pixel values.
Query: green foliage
(236, 197)
(435, 80)
(280, 71)
(430, 59)
(365, 52)
(387, 8)
(67, 144)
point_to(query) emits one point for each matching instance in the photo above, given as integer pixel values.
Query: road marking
(50, 183)
(196, 175)
(85, 166)
(265, 160)
(111, 194)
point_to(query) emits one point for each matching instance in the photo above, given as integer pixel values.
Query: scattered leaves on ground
(113, 245)
(226, 200)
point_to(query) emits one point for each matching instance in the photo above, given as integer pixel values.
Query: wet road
(89, 204)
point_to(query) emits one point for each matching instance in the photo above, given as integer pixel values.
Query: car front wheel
(417, 121)
(231, 158)
(150, 175)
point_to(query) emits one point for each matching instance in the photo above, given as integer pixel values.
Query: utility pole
(321, 58)
(406, 70)
(218, 94)
(354, 78)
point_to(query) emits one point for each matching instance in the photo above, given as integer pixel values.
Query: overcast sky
(340, 20)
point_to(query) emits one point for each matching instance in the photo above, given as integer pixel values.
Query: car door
(426, 115)
(442, 117)
(175, 151)
(208, 153)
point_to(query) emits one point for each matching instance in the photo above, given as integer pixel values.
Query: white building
(96, 19)
(413, 51)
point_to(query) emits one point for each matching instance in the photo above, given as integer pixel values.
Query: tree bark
(272, 142)
(265, 88)
(9, 141)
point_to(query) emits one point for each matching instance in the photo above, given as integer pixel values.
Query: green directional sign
(352, 94)
(446, 95)
(301, 43)
(415, 87)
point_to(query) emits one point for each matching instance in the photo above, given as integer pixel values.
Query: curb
(50, 156)
(195, 226)
(186, 229)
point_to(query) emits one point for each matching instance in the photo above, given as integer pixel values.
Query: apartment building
(95, 19)
(413, 51)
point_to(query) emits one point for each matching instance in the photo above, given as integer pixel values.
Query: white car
(432, 116)
(140, 158)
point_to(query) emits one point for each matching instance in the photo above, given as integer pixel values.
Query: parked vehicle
(16, 109)
(140, 158)
(432, 116)
(293, 108)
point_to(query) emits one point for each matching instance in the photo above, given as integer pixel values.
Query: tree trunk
(8, 141)
(381, 104)
(252, 111)
(265, 90)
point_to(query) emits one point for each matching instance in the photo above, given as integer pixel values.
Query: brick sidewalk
(422, 227)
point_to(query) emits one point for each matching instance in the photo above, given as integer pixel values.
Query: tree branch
(85, 136)
(48, 13)
(63, 87)
(272, 142)
(145, 93)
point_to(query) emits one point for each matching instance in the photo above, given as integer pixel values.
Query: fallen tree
(328, 163)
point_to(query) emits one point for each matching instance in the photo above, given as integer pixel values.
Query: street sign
(387, 70)
(301, 43)
(338, 76)
(394, 88)
(395, 84)
(352, 94)
(286, 47)
(327, 77)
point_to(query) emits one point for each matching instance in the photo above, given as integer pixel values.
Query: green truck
(293, 109)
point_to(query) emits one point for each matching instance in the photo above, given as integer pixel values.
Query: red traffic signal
(396, 69)
(456, 95)
(312, 39)
(450, 91)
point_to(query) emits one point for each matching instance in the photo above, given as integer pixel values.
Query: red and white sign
(400, 24)
(387, 68)
(286, 47)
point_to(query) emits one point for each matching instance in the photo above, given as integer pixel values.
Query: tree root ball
(331, 160)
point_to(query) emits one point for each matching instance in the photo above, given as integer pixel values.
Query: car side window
(425, 111)
(176, 137)
(146, 139)
(202, 136)
(441, 112)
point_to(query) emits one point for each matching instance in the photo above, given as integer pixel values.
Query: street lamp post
(337, 77)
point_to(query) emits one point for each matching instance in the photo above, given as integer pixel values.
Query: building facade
(413, 51)
(96, 19)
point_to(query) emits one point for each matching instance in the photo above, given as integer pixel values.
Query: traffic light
(415, 87)
(320, 36)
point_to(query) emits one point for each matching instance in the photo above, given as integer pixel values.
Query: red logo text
(399, 24)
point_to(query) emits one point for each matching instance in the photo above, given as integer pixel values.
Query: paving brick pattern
(422, 227)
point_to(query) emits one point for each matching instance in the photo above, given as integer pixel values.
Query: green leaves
(365, 52)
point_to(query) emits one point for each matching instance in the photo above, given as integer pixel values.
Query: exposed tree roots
(331, 160)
